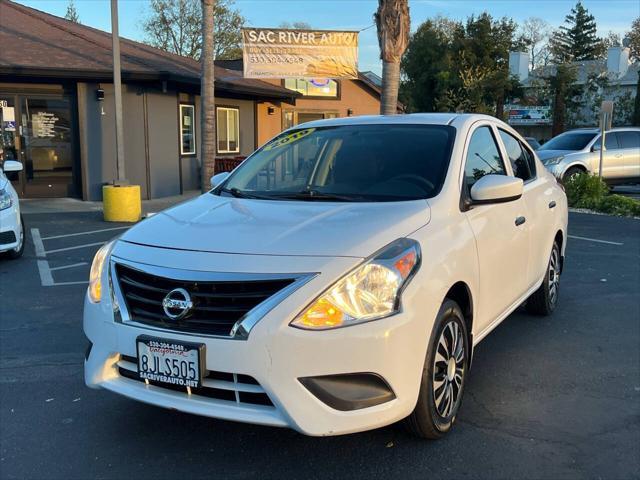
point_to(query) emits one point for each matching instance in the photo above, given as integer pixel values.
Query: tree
(393, 25)
(207, 99)
(534, 33)
(633, 40)
(611, 39)
(563, 90)
(175, 26)
(72, 13)
(451, 66)
(577, 39)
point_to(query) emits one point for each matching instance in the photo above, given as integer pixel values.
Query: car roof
(413, 118)
(597, 130)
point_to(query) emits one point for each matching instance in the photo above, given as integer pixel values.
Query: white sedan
(336, 281)
(11, 224)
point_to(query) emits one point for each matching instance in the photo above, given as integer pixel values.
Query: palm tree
(393, 24)
(207, 99)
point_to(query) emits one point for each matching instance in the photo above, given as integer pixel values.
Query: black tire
(433, 416)
(544, 300)
(17, 253)
(572, 172)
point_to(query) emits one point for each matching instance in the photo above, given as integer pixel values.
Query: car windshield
(569, 141)
(373, 163)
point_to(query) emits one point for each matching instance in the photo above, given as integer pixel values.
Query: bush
(620, 205)
(589, 191)
(585, 191)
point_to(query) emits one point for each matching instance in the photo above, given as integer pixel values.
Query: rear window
(387, 162)
(569, 141)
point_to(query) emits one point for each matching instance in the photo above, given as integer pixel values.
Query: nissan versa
(336, 281)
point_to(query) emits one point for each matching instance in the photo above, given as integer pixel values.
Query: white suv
(336, 281)
(11, 223)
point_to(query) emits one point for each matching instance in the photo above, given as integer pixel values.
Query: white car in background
(11, 223)
(336, 281)
(578, 151)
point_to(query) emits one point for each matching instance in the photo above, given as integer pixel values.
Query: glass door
(46, 146)
(9, 138)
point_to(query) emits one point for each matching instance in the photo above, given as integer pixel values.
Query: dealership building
(57, 109)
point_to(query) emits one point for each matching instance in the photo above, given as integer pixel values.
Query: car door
(613, 166)
(540, 202)
(629, 143)
(500, 231)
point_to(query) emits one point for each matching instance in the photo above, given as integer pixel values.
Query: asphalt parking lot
(552, 398)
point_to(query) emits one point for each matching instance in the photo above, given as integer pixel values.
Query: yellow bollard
(121, 203)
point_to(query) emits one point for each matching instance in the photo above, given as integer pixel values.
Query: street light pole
(117, 89)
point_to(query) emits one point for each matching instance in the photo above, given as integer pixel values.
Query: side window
(611, 141)
(483, 157)
(629, 139)
(519, 158)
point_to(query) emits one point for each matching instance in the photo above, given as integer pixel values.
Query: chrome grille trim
(242, 327)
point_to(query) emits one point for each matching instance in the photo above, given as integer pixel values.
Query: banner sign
(534, 115)
(287, 53)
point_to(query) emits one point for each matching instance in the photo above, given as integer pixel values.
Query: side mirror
(496, 189)
(11, 166)
(218, 178)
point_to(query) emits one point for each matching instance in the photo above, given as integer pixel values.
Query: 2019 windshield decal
(288, 139)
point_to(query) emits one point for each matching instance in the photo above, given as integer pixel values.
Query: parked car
(533, 143)
(336, 281)
(11, 223)
(578, 151)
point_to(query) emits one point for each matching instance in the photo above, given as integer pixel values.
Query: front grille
(7, 237)
(217, 305)
(231, 387)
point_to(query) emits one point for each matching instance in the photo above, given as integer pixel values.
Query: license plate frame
(173, 349)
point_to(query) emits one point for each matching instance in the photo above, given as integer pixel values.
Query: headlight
(369, 292)
(5, 200)
(95, 276)
(555, 160)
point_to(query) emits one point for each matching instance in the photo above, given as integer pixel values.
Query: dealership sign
(287, 53)
(528, 115)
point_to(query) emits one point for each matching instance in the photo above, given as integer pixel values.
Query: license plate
(170, 362)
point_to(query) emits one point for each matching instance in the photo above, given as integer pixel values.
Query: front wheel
(443, 375)
(544, 300)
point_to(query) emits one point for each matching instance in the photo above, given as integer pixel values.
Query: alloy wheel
(554, 276)
(448, 369)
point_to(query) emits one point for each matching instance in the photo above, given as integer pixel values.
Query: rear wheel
(443, 375)
(544, 300)
(19, 249)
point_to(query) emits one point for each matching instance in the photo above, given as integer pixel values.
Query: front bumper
(277, 355)
(9, 228)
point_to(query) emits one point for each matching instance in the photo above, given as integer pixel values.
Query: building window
(228, 129)
(187, 131)
(314, 87)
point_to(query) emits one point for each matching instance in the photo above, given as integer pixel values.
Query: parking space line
(37, 243)
(75, 247)
(46, 279)
(68, 266)
(595, 240)
(85, 233)
(75, 283)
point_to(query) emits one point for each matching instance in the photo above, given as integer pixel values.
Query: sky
(611, 15)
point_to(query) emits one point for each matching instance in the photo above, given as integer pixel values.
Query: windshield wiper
(316, 195)
(235, 192)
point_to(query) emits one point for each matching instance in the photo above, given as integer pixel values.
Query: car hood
(3, 181)
(211, 223)
(545, 155)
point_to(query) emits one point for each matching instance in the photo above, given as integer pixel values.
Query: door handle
(520, 220)
(552, 204)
